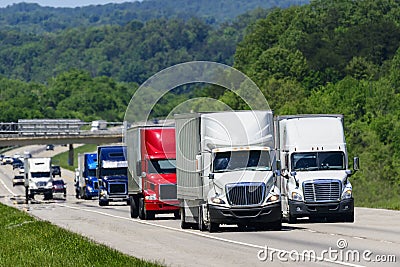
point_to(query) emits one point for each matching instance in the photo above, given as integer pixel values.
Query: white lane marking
(6, 187)
(309, 257)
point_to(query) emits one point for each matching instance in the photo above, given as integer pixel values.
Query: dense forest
(339, 56)
(33, 18)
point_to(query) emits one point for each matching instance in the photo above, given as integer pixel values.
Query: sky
(64, 3)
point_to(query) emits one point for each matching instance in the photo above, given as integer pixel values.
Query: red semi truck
(151, 156)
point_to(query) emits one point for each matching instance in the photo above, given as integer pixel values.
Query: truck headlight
(151, 197)
(217, 200)
(296, 196)
(273, 198)
(103, 193)
(347, 194)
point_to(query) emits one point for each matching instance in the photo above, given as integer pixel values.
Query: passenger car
(59, 187)
(56, 170)
(18, 180)
(7, 160)
(50, 147)
(17, 163)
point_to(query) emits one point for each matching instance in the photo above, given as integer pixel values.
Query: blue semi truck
(86, 182)
(112, 173)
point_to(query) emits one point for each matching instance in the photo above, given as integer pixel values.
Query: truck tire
(184, 224)
(48, 196)
(201, 226)
(212, 226)
(292, 219)
(141, 209)
(143, 213)
(349, 217)
(103, 203)
(134, 207)
(276, 226)
(177, 214)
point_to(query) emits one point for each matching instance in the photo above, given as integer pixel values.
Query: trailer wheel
(201, 226)
(134, 207)
(177, 214)
(184, 224)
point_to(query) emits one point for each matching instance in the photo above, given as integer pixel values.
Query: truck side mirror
(138, 168)
(211, 176)
(356, 164)
(278, 164)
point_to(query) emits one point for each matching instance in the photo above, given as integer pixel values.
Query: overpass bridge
(37, 132)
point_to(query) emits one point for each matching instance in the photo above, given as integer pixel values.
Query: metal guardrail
(52, 127)
(37, 127)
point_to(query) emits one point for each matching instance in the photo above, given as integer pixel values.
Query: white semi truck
(225, 170)
(39, 177)
(314, 179)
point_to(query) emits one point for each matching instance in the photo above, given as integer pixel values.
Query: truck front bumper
(245, 215)
(40, 191)
(300, 209)
(162, 207)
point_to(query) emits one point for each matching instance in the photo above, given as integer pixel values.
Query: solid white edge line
(314, 259)
(6, 187)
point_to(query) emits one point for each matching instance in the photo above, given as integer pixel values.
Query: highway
(372, 240)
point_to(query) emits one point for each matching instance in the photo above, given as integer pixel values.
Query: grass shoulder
(27, 241)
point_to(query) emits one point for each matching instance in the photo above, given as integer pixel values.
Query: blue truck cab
(86, 182)
(112, 174)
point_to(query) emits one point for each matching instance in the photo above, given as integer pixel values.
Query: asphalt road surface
(372, 240)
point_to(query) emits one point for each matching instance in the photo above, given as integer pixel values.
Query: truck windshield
(162, 166)
(91, 172)
(40, 174)
(114, 171)
(312, 161)
(242, 160)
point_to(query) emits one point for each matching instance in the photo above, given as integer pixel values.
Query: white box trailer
(314, 161)
(225, 170)
(39, 177)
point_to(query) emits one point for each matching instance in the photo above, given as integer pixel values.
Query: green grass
(376, 194)
(62, 158)
(26, 241)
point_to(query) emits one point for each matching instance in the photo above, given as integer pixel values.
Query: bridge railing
(45, 127)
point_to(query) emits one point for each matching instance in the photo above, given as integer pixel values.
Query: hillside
(32, 18)
(338, 56)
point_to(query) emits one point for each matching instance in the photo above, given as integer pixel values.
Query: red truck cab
(151, 156)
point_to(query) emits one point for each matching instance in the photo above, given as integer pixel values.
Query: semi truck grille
(243, 194)
(321, 190)
(168, 191)
(117, 188)
(41, 184)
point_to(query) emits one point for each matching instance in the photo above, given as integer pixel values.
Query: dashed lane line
(285, 252)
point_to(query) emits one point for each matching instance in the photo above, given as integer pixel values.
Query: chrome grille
(168, 191)
(117, 188)
(322, 190)
(41, 184)
(243, 194)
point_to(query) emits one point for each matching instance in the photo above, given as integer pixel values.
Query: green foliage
(336, 57)
(29, 242)
(34, 18)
